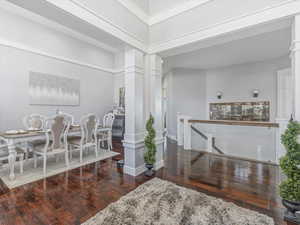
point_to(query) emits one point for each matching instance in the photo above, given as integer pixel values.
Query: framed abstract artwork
(241, 111)
(47, 89)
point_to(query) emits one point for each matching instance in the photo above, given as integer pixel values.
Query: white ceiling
(154, 7)
(142, 4)
(158, 6)
(252, 49)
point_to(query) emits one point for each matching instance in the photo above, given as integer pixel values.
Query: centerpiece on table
(290, 165)
(149, 156)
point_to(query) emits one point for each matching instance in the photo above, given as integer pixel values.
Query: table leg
(11, 159)
(110, 140)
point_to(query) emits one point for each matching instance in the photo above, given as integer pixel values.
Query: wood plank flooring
(73, 197)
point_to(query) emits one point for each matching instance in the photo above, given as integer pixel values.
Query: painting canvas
(47, 89)
(122, 97)
(241, 111)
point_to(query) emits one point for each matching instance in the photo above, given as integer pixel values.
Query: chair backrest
(69, 116)
(34, 121)
(3, 148)
(57, 129)
(108, 120)
(89, 125)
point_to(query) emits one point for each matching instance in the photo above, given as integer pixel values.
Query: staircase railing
(212, 141)
(185, 127)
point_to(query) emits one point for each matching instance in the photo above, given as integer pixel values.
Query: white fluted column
(134, 110)
(295, 58)
(154, 102)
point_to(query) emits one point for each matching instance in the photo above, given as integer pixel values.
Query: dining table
(31, 135)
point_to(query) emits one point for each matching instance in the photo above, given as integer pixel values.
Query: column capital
(134, 70)
(295, 46)
(134, 58)
(156, 65)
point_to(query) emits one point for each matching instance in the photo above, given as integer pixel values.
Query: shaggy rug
(159, 202)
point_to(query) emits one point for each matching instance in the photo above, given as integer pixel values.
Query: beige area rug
(31, 174)
(160, 202)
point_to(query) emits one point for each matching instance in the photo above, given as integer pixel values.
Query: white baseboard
(141, 169)
(159, 165)
(134, 171)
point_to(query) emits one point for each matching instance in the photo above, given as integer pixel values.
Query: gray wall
(15, 65)
(238, 82)
(96, 87)
(186, 93)
(191, 92)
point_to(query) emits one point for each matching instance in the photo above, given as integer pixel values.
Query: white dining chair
(33, 122)
(106, 136)
(70, 117)
(56, 131)
(89, 126)
(67, 115)
(4, 153)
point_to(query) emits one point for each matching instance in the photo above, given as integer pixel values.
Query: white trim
(165, 15)
(119, 72)
(14, 9)
(76, 8)
(271, 13)
(134, 171)
(134, 9)
(25, 48)
(189, 5)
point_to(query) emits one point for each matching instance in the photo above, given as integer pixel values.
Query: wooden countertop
(237, 123)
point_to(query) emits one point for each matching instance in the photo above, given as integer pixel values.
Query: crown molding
(14, 9)
(160, 17)
(134, 9)
(80, 10)
(268, 14)
(189, 5)
(40, 52)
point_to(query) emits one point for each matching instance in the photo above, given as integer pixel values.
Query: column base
(134, 157)
(134, 171)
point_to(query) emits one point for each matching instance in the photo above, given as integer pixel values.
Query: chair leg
(99, 145)
(81, 154)
(67, 158)
(96, 150)
(110, 144)
(35, 160)
(21, 163)
(71, 152)
(27, 151)
(44, 164)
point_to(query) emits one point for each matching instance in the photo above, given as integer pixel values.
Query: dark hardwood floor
(75, 196)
